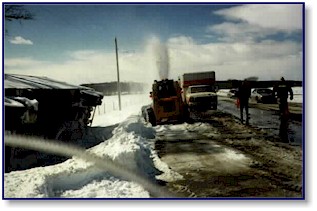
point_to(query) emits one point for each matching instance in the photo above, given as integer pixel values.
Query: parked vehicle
(201, 97)
(232, 93)
(263, 95)
(199, 91)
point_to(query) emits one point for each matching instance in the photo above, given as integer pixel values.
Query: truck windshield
(201, 89)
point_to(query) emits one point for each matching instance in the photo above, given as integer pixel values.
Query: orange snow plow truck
(167, 104)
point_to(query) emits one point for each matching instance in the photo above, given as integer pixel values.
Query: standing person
(282, 89)
(244, 92)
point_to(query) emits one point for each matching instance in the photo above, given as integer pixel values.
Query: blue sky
(77, 27)
(75, 42)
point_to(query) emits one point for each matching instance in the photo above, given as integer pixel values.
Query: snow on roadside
(77, 178)
(108, 113)
(131, 145)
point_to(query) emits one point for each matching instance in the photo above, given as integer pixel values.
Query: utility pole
(118, 75)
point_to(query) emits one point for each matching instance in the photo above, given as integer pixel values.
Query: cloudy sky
(75, 43)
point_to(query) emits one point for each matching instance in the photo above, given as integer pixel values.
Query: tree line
(111, 88)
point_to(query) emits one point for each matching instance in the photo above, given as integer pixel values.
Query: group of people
(281, 90)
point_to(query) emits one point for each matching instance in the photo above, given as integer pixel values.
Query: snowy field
(108, 113)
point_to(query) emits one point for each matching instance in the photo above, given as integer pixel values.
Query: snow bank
(78, 178)
(131, 145)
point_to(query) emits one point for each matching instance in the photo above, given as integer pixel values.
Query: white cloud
(91, 66)
(266, 59)
(18, 40)
(283, 17)
(83, 54)
(252, 22)
(181, 40)
(231, 32)
(21, 63)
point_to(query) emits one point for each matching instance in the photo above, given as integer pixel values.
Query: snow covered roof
(36, 82)
(12, 103)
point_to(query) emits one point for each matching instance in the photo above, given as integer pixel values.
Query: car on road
(232, 93)
(263, 95)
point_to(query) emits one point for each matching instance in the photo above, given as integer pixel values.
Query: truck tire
(215, 107)
(257, 99)
(151, 117)
(143, 110)
(186, 114)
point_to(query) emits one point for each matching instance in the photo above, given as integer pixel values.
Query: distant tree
(16, 12)
(252, 78)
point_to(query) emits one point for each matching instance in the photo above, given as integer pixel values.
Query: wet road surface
(220, 157)
(268, 120)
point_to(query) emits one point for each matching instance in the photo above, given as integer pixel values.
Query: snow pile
(131, 145)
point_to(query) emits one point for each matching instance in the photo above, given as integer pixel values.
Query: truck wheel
(143, 110)
(186, 114)
(215, 107)
(151, 117)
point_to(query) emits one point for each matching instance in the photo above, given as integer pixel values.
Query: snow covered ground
(130, 146)
(108, 113)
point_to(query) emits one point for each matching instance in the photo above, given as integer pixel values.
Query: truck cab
(199, 90)
(201, 97)
(167, 105)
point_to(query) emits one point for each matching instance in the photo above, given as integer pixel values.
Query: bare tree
(252, 78)
(17, 12)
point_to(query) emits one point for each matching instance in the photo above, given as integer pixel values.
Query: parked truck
(199, 91)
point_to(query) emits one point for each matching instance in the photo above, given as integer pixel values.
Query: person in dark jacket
(282, 89)
(243, 93)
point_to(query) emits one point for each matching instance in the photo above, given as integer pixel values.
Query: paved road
(265, 119)
(220, 157)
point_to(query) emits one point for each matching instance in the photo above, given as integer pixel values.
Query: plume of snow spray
(105, 164)
(161, 57)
